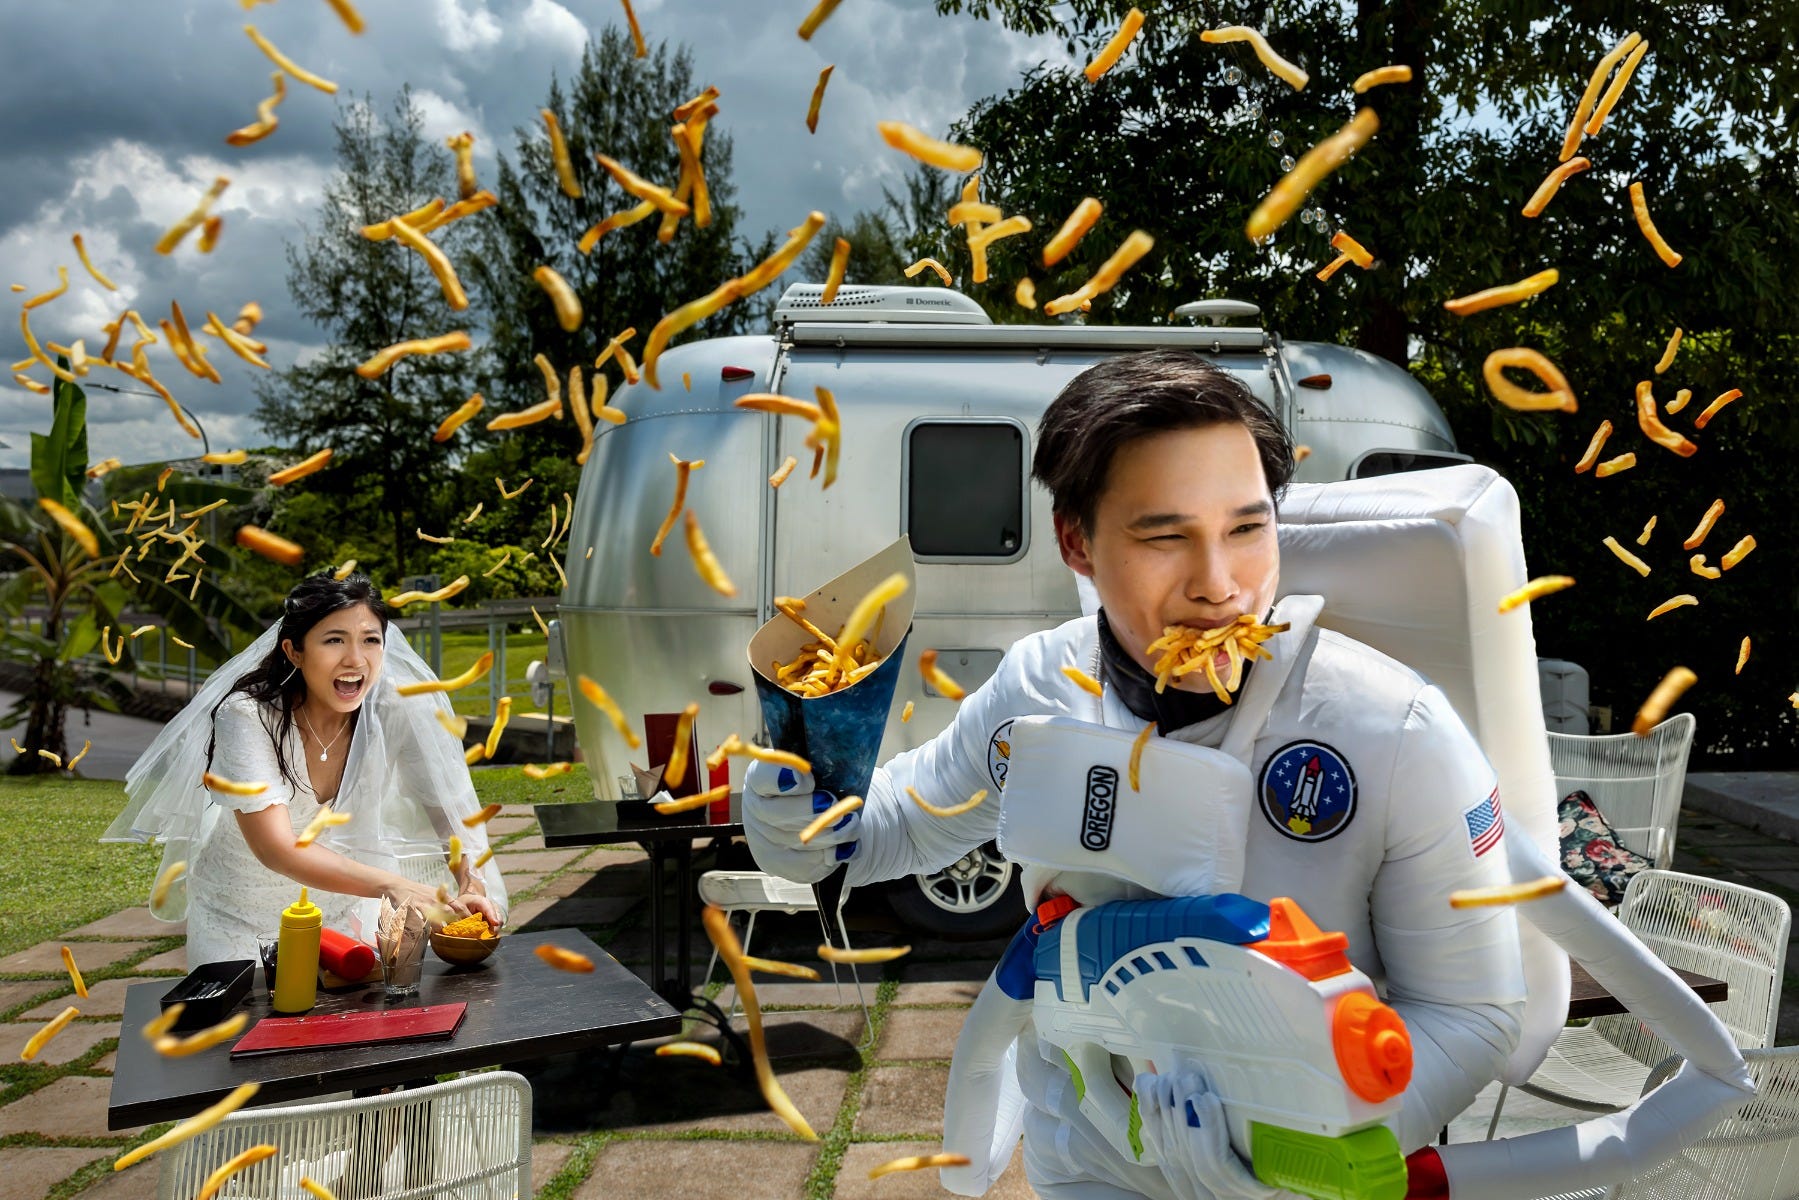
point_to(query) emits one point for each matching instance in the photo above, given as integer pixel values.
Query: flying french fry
(1626, 557)
(568, 305)
(196, 217)
(1673, 685)
(1508, 893)
(1511, 293)
(1639, 206)
(948, 156)
(1593, 447)
(1712, 409)
(565, 960)
(1133, 248)
(1559, 397)
(935, 676)
(287, 64)
(922, 264)
(41, 1038)
(1536, 589)
(459, 418)
(1285, 70)
(170, 1046)
(920, 1162)
(1114, 49)
(1650, 422)
(1584, 109)
(266, 121)
(1284, 199)
(602, 700)
(301, 469)
(1552, 183)
(383, 359)
(559, 156)
(324, 819)
(829, 817)
(872, 954)
(1379, 77)
(480, 668)
(818, 99)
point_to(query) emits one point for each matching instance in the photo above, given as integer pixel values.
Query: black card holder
(211, 991)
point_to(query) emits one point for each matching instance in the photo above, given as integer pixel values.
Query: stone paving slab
(942, 982)
(632, 880)
(903, 1100)
(76, 1039)
(73, 1106)
(168, 960)
(45, 958)
(723, 1170)
(682, 1095)
(579, 911)
(502, 826)
(135, 1182)
(31, 1171)
(523, 845)
(17, 993)
(104, 999)
(853, 1182)
(540, 860)
(920, 1033)
(799, 993)
(131, 923)
(1766, 801)
(547, 1160)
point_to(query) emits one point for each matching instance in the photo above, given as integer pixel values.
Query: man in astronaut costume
(1367, 799)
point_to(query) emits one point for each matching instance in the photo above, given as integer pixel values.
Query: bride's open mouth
(348, 687)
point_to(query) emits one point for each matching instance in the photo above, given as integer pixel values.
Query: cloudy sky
(117, 111)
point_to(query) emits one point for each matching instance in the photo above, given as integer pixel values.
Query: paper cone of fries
(838, 733)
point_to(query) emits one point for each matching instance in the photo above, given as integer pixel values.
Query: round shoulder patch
(999, 755)
(1308, 791)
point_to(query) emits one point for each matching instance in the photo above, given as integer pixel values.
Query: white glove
(778, 802)
(1183, 1122)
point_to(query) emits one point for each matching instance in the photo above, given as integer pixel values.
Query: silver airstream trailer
(939, 407)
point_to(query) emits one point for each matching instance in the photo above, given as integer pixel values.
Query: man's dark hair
(1121, 399)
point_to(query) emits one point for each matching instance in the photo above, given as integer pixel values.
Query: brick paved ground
(871, 1088)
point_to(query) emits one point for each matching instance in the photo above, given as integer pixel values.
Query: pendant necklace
(326, 748)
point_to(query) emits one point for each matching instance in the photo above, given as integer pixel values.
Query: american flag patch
(1486, 824)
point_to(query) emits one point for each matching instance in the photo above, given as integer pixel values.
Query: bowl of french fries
(465, 942)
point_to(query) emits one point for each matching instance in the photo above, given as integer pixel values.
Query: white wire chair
(1752, 1154)
(1635, 782)
(756, 892)
(1723, 930)
(469, 1138)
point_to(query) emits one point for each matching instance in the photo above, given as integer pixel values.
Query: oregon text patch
(1307, 791)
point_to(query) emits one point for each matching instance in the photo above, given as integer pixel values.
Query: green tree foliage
(1182, 138)
(76, 599)
(367, 295)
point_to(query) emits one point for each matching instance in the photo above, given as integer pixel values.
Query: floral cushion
(1591, 854)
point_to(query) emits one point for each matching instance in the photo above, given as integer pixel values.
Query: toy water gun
(1307, 1060)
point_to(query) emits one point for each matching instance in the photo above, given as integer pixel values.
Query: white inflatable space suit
(1345, 781)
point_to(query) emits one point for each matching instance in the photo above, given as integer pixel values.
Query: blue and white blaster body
(1144, 960)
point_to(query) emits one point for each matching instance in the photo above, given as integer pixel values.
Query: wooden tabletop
(596, 822)
(1588, 997)
(519, 1008)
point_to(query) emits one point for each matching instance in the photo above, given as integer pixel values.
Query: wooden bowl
(463, 951)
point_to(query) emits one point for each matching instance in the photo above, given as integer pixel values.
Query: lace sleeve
(244, 751)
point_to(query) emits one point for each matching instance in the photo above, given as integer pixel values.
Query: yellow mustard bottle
(297, 958)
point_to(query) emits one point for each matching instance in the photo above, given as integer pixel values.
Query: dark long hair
(275, 682)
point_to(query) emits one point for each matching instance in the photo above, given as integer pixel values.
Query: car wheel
(979, 896)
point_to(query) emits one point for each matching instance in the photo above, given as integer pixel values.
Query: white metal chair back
(469, 1138)
(1752, 1154)
(1634, 782)
(1724, 930)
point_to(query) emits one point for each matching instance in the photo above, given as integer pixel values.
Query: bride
(310, 710)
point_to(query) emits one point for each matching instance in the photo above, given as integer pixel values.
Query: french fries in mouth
(1552, 183)
(378, 365)
(830, 817)
(871, 954)
(1673, 685)
(1286, 71)
(1593, 448)
(1626, 557)
(1559, 397)
(919, 1162)
(602, 700)
(266, 121)
(41, 1038)
(1536, 589)
(1137, 745)
(1508, 893)
(1650, 422)
(1284, 199)
(1185, 649)
(951, 810)
(1511, 293)
(1114, 49)
(1379, 77)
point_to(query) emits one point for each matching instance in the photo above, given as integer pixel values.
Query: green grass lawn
(54, 873)
(461, 647)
